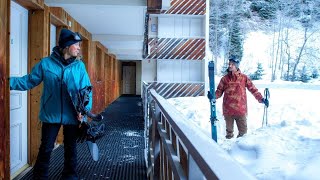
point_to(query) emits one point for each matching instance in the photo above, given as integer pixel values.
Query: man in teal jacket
(63, 74)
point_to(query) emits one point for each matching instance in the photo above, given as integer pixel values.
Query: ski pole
(265, 110)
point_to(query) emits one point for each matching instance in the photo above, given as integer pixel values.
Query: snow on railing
(177, 150)
(167, 90)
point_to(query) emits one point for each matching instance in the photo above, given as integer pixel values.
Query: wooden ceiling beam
(31, 4)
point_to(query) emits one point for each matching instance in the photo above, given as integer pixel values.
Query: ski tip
(94, 150)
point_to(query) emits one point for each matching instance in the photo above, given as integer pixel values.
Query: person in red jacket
(233, 86)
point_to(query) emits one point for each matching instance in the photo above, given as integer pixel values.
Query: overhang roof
(117, 24)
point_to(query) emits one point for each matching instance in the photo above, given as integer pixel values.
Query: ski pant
(49, 134)
(241, 122)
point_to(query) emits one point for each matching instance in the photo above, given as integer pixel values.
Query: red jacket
(233, 86)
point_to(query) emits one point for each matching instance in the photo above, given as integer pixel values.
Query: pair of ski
(88, 131)
(212, 98)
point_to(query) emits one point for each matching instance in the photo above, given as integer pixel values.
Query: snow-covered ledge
(203, 154)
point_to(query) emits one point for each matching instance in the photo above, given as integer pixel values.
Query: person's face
(74, 49)
(232, 67)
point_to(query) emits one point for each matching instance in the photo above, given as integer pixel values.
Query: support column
(38, 49)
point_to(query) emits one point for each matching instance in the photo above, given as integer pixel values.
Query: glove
(90, 131)
(209, 95)
(82, 132)
(265, 102)
(95, 131)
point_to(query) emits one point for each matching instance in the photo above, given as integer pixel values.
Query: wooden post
(112, 93)
(91, 68)
(4, 90)
(107, 78)
(38, 49)
(85, 52)
(156, 143)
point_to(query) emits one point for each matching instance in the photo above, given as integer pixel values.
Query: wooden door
(18, 99)
(129, 79)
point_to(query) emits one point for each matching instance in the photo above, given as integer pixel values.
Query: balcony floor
(121, 149)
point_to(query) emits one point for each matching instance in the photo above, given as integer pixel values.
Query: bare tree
(298, 58)
(229, 17)
(288, 56)
(276, 55)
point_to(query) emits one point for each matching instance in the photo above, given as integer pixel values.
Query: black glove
(95, 131)
(90, 131)
(265, 102)
(82, 132)
(209, 95)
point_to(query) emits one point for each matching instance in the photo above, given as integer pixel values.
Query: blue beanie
(67, 38)
(235, 60)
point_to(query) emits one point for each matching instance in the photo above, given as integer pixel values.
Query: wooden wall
(97, 70)
(106, 85)
(118, 79)
(112, 77)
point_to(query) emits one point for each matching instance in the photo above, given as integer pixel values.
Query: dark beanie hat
(235, 60)
(67, 38)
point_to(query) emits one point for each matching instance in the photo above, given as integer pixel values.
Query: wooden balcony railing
(176, 150)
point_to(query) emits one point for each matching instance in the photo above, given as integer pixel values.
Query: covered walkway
(121, 149)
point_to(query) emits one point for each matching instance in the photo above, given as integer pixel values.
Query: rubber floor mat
(121, 149)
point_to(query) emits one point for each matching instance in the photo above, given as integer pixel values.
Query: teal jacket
(60, 84)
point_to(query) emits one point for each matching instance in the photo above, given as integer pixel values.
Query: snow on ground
(288, 148)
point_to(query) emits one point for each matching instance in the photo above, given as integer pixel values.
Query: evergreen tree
(236, 39)
(266, 9)
(315, 73)
(224, 69)
(257, 75)
(304, 77)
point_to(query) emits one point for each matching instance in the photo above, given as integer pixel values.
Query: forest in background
(293, 28)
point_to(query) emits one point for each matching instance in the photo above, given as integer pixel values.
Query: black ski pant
(49, 134)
